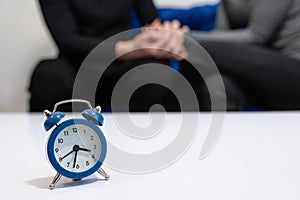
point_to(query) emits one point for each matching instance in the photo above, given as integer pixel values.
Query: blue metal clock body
(76, 148)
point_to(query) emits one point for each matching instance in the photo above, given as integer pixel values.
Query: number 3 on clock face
(76, 148)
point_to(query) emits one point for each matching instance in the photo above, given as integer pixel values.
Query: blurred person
(79, 26)
(259, 58)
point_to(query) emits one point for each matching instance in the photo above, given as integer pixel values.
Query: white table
(257, 157)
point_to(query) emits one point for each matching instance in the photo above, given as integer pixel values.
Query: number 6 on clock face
(76, 148)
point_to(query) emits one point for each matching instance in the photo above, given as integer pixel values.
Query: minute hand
(75, 157)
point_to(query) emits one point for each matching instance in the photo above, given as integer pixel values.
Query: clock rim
(52, 139)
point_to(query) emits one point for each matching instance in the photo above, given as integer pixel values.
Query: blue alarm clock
(76, 148)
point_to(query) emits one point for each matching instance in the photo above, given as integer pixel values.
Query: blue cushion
(201, 18)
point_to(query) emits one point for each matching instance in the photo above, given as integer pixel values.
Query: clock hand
(75, 157)
(61, 158)
(83, 149)
(76, 148)
(82, 142)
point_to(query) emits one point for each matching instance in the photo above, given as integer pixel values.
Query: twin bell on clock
(76, 147)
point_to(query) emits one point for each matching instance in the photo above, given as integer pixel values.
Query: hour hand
(84, 149)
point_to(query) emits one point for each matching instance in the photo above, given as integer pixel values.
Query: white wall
(24, 41)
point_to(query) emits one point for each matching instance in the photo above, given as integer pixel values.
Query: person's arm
(146, 11)
(62, 24)
(265, 20)
(148, 16)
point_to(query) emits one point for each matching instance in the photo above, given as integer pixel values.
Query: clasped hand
(158, 40)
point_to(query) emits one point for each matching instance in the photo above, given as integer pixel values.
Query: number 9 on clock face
(76, 148)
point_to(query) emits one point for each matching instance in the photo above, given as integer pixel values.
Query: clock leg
(54, 181)
(103, 173)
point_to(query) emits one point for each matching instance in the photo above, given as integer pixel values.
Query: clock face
(76, 148)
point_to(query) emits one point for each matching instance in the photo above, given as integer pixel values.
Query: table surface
(257, 157)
